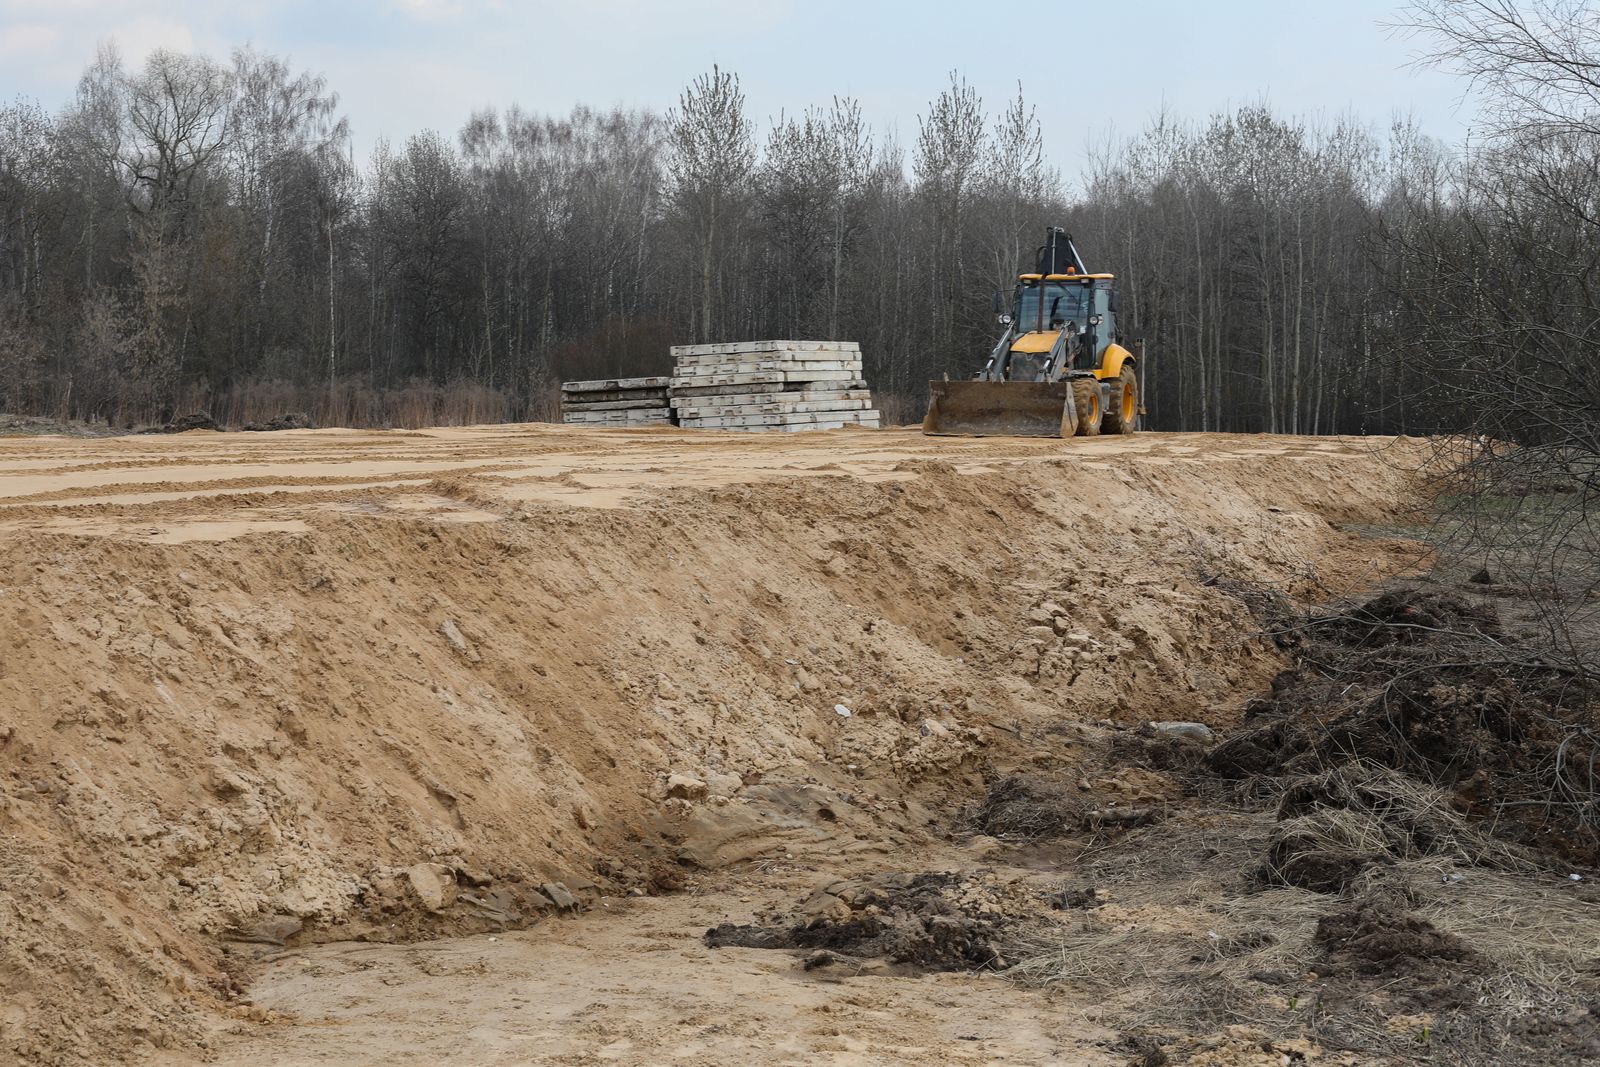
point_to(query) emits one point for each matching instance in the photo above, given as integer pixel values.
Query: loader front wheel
(1123, 415)
(1086, 396)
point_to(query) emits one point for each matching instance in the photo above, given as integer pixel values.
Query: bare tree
(1532, 65)
(852, 149)
(712, 152)
(950, 146)
(285, 140)
(176, 121)
(1503, 305)
(177, 113)
(801, 186)
(1013, 179)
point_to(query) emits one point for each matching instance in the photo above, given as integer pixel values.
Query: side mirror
(999, 303)
(1111, 301)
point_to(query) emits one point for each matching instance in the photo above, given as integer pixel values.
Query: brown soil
(933, 921)
(279, 693)
(1377, 937)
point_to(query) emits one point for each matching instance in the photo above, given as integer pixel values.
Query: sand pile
(423, 693)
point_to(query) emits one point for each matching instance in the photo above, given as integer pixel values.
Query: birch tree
(711, 155)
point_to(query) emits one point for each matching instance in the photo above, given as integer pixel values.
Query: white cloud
(46, 44)
(433, 9)
(140, 37)
(28, 38)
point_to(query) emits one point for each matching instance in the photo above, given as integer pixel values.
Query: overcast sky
(1091, 68)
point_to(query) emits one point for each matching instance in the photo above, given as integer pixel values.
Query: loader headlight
(1094, 320)
(1005, 320)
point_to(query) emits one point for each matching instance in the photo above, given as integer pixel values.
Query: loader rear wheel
(1086, 395)
(1123, 414)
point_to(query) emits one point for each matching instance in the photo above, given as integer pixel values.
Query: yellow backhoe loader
(1059, 369)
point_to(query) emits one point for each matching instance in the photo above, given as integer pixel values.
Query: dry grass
(353, 403)
(900, 409)
(1189, 942)
(1534, 926)
(1359, 813)
(1163, 885)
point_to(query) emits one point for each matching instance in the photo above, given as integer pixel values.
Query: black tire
(1086, 395)
(1123, 415)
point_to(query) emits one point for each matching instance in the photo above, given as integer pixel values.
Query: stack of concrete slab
(771, 386)
(617, 402)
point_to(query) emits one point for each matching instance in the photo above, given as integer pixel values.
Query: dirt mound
(37, 425)
(199, 420)
(278, 690)
(929, 922)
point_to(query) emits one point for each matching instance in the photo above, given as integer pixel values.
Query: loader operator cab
(1082, 304)
(1042, 306)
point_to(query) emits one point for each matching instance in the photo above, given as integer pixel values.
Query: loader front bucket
(1000, 409)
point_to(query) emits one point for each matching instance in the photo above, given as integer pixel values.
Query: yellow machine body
(1111, 362)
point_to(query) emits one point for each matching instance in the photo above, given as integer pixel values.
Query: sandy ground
(382, 697)
(634, 983)
(536, 463)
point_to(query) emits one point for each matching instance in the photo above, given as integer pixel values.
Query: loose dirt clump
(1033, 808)
(1326, 850)
(1156, 751)
(927, 922)
(1376, 936)
(667, 878)
(1378, 952)
(1406, 616)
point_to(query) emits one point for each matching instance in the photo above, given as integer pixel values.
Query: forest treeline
(197, 234)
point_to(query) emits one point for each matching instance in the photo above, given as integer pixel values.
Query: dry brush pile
(1429, 685)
